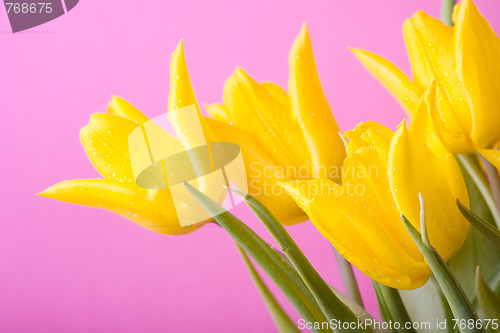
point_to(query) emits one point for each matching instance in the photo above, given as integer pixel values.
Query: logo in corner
(26, 14)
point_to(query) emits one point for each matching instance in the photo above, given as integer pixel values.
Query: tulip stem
(447, 11)
(348, 278)
(455, 295)
(392, 307)
(280, 318)
(333, 308)
(493, 179)
(470, 165)
(271, 263)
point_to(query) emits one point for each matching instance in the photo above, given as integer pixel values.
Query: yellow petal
(492, 155)
(105, 139)
(277, 92)
(253, 108)
(310, 107)
(369, 133)
(413, 169)
(305, 191)
(365, 177)
(120, 107)
(181, 90)
(151, 209)
(392, 78)
(431, 49)
(187, 127)
(356, 232)
(477, 52)
(424, 127)
(218, 112)
(436, 106)
(262, 174)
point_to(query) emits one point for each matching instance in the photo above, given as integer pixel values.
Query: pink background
(66, 268)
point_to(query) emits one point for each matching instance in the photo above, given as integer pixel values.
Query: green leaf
(282, 275)
(280, 318)
(332, 307)
(488, 300)
(470, 165)
(359, 311)
(476, 250)
(427, 304)
(494, 279)
(489, 231)
(392, 307)
(348, 278)
(459, 303)
(438, 303)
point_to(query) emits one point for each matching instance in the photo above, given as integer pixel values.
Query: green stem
(280, 318)
(278, 270)
(447, 11)
(392, 307)
(493, 179)
(348, 278)
(459, 303)
(470, 164)
(489, 231)
(329, 303)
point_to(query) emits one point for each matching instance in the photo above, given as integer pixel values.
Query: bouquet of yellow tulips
(416, 209)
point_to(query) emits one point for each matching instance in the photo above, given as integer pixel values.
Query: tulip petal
(277, 92)
(425, 128)
(477, 52)
(262, 174)
(120, 107)
(452, 133)
(492, 155)
(427, 131)
(355, 232)
(218, 112)
(310, 107)
(365, 177)
(369, 133)
(413, 169)
(392, 78)
(187, 129)
(182, 94)
(105, 140)
(431, 49)
(151, 209)
(252, 106)
(181, 90)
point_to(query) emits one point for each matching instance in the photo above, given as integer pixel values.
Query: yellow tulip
(278, 135)
(463, 61)
(283, 137)
(383, 174)
(105, 140)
